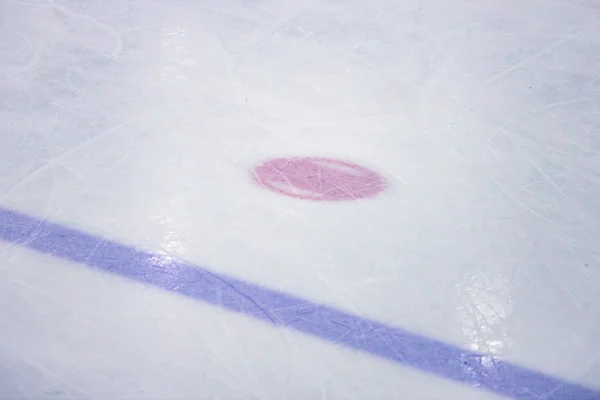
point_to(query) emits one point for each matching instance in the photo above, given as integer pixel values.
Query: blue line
(280, 309)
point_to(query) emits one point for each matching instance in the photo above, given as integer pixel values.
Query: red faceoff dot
(314, 178)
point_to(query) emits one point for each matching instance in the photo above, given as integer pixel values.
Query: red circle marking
(315, 178)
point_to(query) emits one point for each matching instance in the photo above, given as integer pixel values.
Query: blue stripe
(332, 325)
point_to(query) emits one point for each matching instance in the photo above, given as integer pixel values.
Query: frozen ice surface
(138, 121)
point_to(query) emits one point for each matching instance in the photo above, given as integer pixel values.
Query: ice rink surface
(144, 256)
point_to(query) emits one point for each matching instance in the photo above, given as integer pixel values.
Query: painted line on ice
(285, 310)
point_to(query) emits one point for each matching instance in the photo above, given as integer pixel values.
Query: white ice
(138, 120)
